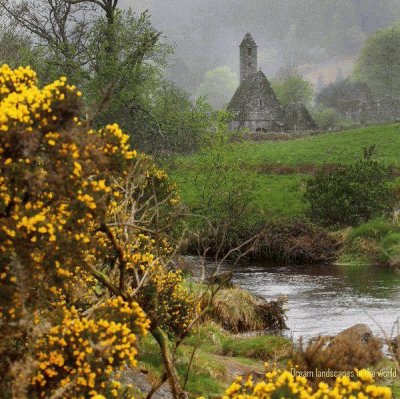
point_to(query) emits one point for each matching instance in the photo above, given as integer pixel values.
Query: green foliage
(222, 185)
(325, 118)
(218, 86)
(273, 195)
(211, 338)
(117, 60)
(350, 194)
(293, 89)
(376, 228)
(376, 241)
(379, 62)
(182, 122)
(391, 247)
(276, 169)
(160, 118)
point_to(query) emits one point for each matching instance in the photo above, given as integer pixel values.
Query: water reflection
(327, 299)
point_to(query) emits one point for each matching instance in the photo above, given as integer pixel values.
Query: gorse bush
(284, 384)
(84, 248)
(350, 194)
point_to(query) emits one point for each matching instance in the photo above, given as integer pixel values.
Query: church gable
(255, 96)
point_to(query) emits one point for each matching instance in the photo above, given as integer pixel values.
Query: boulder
(360, 333)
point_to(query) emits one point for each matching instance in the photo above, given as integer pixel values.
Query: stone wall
(384, 110)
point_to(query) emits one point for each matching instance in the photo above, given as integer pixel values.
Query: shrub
(350, 194)
(376, 229)
(223, 192)
(283, 384)
(391, 249)
(76, 269)
(376, 241)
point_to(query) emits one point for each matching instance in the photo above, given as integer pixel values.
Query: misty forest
(199, 199)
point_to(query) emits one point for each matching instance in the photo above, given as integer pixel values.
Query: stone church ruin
(255, 106)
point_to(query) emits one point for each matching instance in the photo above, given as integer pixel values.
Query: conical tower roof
(248, 41)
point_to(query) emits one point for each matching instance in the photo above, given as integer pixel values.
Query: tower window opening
(261, 102)
(249, 51)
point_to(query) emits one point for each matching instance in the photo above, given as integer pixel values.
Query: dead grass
(344, 354)
(239, 311)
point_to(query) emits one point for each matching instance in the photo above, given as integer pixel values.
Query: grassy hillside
(279, 169)
(338, 147)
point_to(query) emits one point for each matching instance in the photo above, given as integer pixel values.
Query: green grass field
(282, 194)
(274, 195)
(338, 147)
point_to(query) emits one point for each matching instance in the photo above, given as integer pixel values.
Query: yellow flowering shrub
(169, 302)
(283, 384)
(84, 354)
(84, 247)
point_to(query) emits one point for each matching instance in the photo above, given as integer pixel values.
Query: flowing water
(324, 300)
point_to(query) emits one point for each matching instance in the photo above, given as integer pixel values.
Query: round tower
(248, 57)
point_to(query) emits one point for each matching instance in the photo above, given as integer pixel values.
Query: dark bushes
(285, 241)
(352, 194)
(296, 241)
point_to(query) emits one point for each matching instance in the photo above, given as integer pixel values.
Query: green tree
(350, 194)
(379, 62)
(101, 53)
(116, 59)
(218, 86)
(161, 118)
(293, 89)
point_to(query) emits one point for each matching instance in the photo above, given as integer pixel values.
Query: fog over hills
(206, 33)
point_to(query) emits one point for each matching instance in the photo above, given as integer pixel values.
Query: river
(326, 299)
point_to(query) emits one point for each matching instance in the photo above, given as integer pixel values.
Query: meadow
(279, 169)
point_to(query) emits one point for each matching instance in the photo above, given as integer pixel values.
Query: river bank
(337, 296)
(322, 300)
(235, 191)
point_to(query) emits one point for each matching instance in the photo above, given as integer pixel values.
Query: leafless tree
(108, 6)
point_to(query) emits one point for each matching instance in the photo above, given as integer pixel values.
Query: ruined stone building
(255, 105)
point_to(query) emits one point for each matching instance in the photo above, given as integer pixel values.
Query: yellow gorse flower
(60, 184)
(282, 383)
